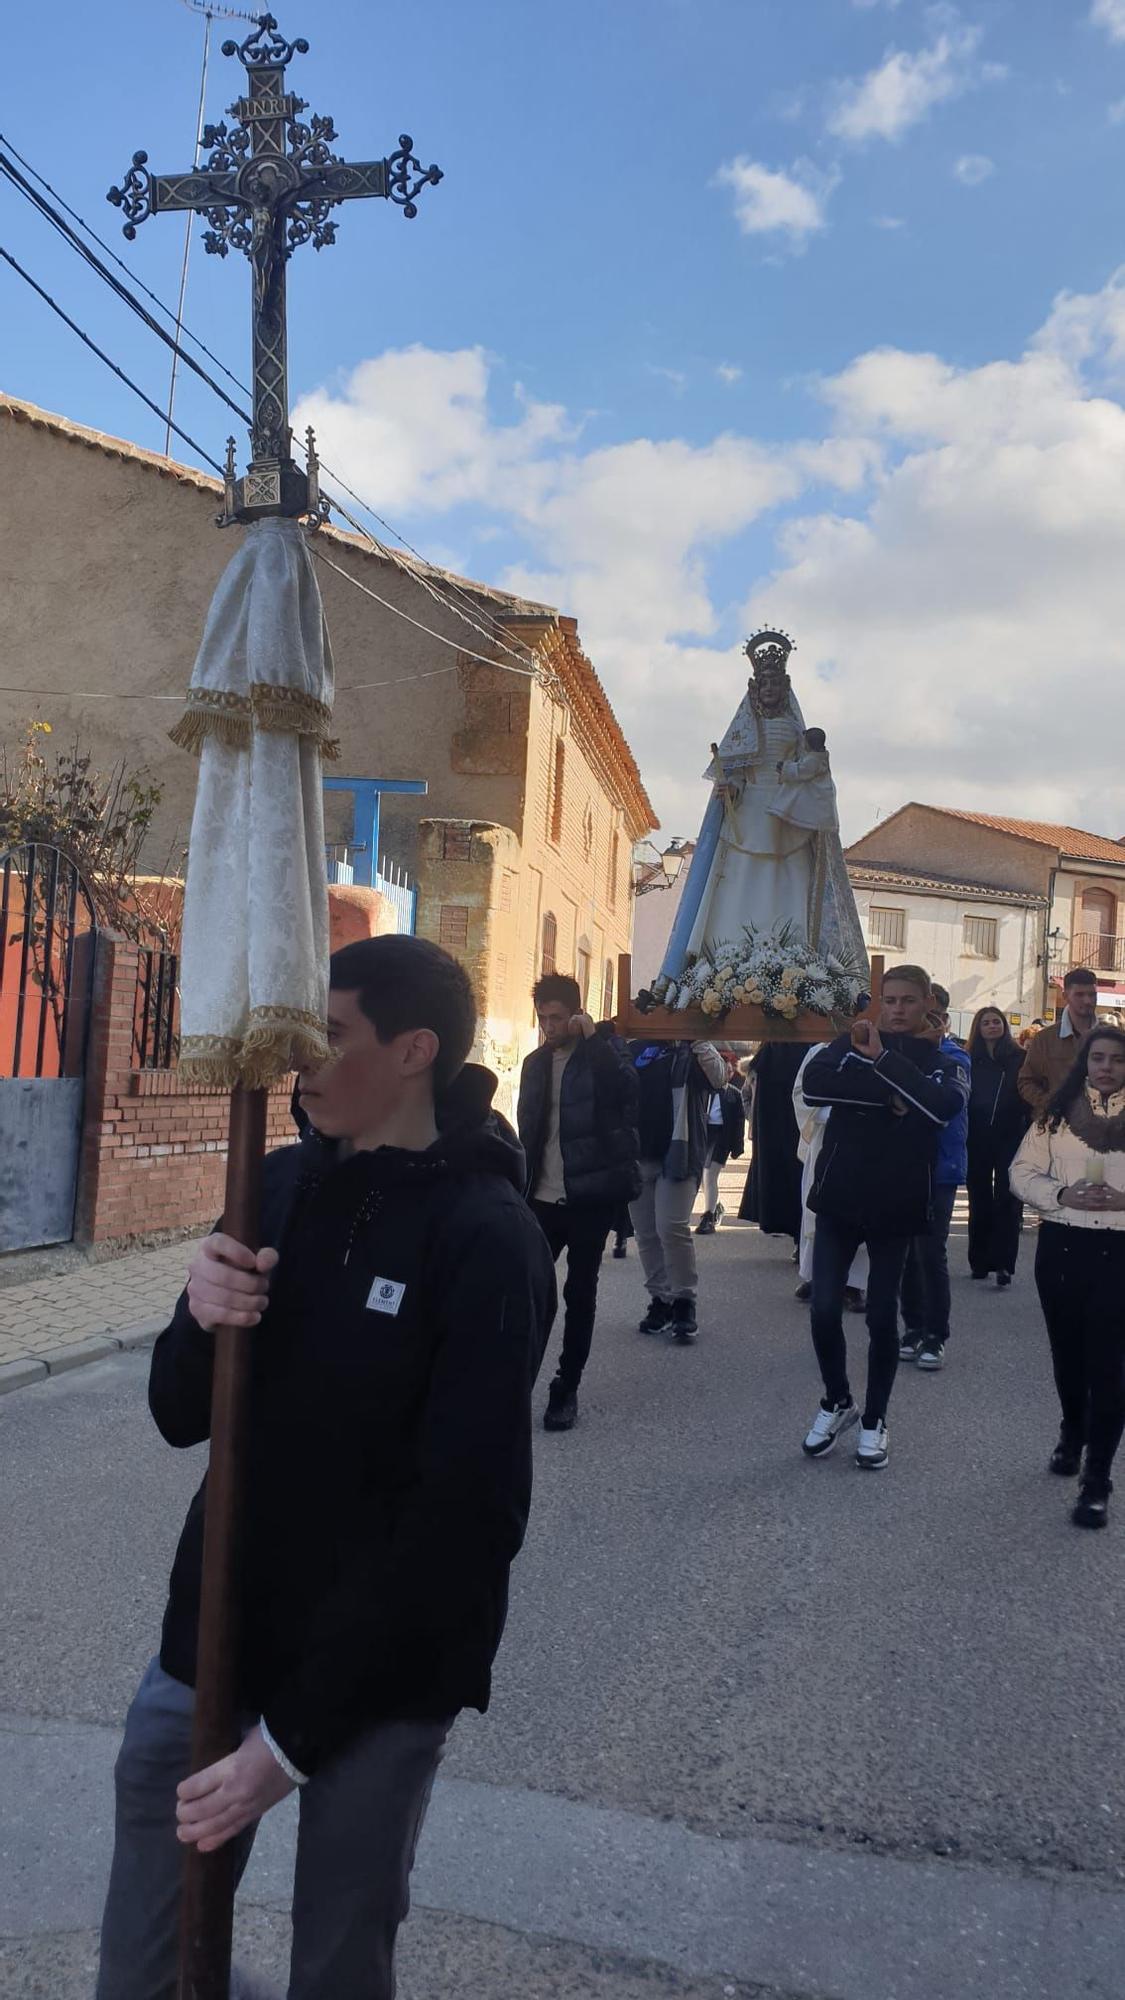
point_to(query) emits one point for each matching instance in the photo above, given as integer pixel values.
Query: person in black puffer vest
(577, 1118)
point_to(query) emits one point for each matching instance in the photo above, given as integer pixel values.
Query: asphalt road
(761, 1727)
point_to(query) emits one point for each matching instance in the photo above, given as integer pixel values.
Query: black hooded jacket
(876, 1166)
(998, 1116)
(390, 1431)
(597, 1120)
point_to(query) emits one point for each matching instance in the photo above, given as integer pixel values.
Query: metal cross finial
(270, 183)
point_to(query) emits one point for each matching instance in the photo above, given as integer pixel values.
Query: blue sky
(724, 309)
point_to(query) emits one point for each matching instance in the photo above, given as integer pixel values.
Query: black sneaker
(1003, 1280)
(1066, 1459)
(930, 1355)
(685, 1326)
(706, 1224)
(803, 1291)
(1091, 1509)
(657, 1317)
(621, 1249)
(561, 1413)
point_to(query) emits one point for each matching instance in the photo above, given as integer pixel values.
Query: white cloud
(945, 549)
(973, 168)
(728, 373)
(904, 88)
(768, 200)
(1110, 15)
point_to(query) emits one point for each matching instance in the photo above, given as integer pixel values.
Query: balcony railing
(1100, 950)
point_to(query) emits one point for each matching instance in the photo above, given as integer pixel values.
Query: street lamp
(669, 864)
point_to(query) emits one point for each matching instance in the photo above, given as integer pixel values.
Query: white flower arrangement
(774, 970)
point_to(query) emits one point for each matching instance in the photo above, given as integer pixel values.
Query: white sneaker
(827, 1426)
(874, 1448)
(720, 1211)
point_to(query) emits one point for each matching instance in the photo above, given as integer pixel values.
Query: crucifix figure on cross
(269, 183)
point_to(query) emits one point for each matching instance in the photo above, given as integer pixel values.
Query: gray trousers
(661, 1218)
(360, 1817)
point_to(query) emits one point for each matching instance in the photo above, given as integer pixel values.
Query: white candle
(1095, 1170)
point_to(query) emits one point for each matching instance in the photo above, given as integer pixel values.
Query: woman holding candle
(1071, 1168)
(998, 1119)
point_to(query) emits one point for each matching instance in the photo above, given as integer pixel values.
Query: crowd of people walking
(402, 1310)
(859, 1150)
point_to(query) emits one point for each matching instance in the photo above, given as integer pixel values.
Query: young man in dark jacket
(577, 1117)
(399, 1318)
(925, 1276)
(891, 1092)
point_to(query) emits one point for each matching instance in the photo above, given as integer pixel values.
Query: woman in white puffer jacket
(1071, 1168)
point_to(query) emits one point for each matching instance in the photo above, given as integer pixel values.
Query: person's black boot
(1091, 1509)
(685, 1326)
(561, 1413)
(706, 1224)
(1066, 1459)
(658, 1316)
(621, 1247)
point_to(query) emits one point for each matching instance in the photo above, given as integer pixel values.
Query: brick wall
(153, 1148)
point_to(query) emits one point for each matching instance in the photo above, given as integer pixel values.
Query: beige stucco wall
(106, 572)
(107, 568)
(934, 939)
(926, 840)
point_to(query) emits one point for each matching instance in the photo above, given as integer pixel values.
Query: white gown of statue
(764, 869)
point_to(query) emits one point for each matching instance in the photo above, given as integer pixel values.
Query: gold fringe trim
(277, 1041)
(231, 718)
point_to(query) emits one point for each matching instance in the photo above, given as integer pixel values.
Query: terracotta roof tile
(870, 873)
(1045, 833)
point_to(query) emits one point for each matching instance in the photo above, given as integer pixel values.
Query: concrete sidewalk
(54, 1323)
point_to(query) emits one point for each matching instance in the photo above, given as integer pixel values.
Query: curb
(28, 1369)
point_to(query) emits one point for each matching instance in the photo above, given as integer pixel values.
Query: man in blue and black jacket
(891, 1093)
(925, 1278)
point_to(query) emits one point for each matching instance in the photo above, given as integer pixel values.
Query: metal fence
(46, 955)
(393, 883)
(156, 1010)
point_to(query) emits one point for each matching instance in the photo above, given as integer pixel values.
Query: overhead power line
(103, 356)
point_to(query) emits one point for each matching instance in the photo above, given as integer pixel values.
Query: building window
(887, 929)
(582, 968)
(557, 783)
(614, 867)
(502, 979)
(607, 991)
(453, 926)
(550, 951)
(588, 830)
(456, 843)
(506, 880)
(979, 937)
(1094, 944)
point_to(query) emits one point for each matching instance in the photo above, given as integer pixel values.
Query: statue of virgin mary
(758, 861)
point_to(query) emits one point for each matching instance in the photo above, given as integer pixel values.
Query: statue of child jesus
(806, 795)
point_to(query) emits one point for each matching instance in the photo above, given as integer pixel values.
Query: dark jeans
(925, 1277)
(581, 1229)
(360, 1817)
(834, 1246)
(995, 1216)
(1080, 1275)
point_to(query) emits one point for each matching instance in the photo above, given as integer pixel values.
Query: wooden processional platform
(741, 1024)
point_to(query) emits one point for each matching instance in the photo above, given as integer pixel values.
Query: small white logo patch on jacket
(386, 1296)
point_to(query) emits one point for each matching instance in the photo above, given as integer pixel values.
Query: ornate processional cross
(268, 185)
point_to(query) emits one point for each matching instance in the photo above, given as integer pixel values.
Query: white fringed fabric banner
(254, 966)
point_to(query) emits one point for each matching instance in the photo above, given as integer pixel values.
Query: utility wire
(129, 298)
(103, 356)
(188, 220)
(445, 590)
(119, 261)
